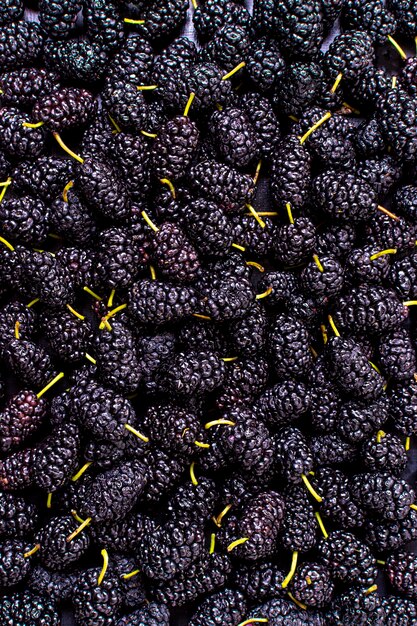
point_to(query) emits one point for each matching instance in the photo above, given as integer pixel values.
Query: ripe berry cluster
(207, 271)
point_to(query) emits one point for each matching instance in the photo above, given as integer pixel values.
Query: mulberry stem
(212, 543)
(149, 221)
(382, 253)
(291, 573)
(192, 474)
(74, 312)
(136, 433)
(265, 294)
(391, 215)
(311, 489)
(81, 471)
(256, 216)
(90, 358)
(92, 293)
(189, 103)
(333, 325)
(397, 47)
(131, 574)
(315, 127)
(49, 385)
(105, 556)
(66, 190)
(35, 125)
(66, 149)
(236, 543)
(321, 525)
(168, 183)
(220, 422)
(317, 262)
(336, 82)
(234, 71)
(80, 529)
(33, 551)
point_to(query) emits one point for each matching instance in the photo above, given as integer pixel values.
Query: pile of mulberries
(208, 346)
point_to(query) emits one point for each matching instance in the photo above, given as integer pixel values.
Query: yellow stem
(115, 124)
(49, 501)
(35, 125)
(391, 215)
(136, 433)
(76, 517)
(317, 262)
(16, 330)
(410, 303)
(413, 506)
(189, 103)
(382, 253)
(66, 190)
(293, 118)
(105, 556)
(128, 20)
(149, 221)
(80, 472)
(265, 294)
(152, 271)
(80, 529)
(397, 47)
(380, 562)
(74, 312)
(49, 385)
(311, 489)
(291, 573)
(290, 217)
(90, 358)
(5, 188)
(265, 213)
(111, 298)
(229, 359)
(333, 325)
(336, 83)
(168, 183)
(201, 317)
(370, 590)
(321, 525)
(313, 352)
(151, 135)
(380, 435)
(324, 333)
(91, 292)
(32, 552)
(407, 443)
(315, 127)
(236, 543)
(257, 172)
(241, 248)
(375, 367)
(200, 444)
(212, 543)
(256, 216)
(135, 572)
(7, 244)
(220, 422)
(146, 87)
(32, 302)
(297, 602)
(6, 183)
(194, 3)
(192, 474)
(394, 82)
(234, 71)
(254, 620)
(66, 149)
(218, 519)
(259, 267)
